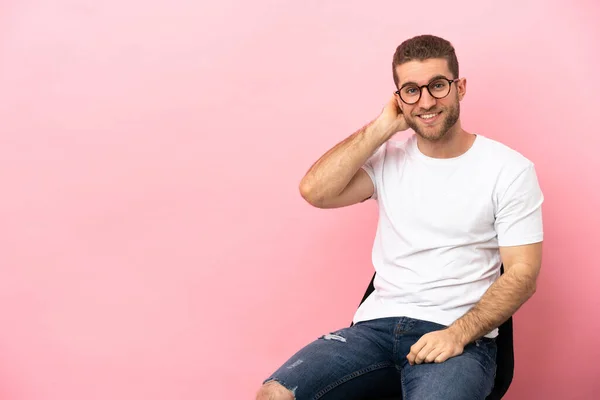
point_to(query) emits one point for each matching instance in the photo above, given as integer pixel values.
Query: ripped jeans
(368, 361)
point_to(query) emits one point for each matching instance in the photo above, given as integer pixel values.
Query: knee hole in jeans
(273, 390)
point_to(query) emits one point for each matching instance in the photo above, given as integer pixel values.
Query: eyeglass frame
(450, 82)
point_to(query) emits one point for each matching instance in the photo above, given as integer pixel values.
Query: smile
(429, 118)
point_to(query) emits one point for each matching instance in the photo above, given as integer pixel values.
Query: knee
(274, 391)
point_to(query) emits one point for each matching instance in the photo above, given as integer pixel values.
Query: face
(430, 118)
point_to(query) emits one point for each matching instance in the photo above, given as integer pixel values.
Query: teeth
(427, 116)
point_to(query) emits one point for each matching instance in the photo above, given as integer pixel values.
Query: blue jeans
(368, 361)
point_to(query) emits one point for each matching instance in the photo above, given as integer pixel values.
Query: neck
(453, 144)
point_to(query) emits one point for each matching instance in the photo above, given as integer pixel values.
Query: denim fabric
(368, 361)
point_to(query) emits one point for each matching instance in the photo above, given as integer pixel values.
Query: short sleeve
(518, 219)
(372, 165)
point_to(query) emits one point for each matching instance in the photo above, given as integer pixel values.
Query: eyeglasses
(438, 88)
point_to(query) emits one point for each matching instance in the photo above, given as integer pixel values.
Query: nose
(426, 101)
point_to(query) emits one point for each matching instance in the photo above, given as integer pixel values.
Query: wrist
(382, 130)
(459, 333)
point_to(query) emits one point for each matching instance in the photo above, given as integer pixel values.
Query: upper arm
(523, 263)
(519, 225)
(528, 257)
(518, 213)
(359, 189)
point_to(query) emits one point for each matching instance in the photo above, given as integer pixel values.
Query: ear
(462, 88)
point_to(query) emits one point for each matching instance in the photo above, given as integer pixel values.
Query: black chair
(505, 358)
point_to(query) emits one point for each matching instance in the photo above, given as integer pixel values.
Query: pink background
(154, 244)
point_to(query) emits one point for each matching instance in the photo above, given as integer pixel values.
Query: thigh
(469, 376)
(345, 364)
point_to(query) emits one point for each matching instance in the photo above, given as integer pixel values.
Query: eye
(439, 85)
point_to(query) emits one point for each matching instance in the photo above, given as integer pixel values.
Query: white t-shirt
(441, 222)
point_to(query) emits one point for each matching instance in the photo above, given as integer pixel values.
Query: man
(453, 207)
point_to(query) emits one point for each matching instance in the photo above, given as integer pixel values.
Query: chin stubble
(450, 119)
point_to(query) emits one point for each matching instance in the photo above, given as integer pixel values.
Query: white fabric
(441, 222)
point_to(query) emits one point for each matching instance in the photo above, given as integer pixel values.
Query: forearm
(499, 303)
(330, 175)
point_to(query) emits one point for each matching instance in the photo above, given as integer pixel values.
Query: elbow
(533, 289)
(529, 289)
(533, 281)
(308, 193)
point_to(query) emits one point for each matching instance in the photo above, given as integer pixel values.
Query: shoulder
(508, 166)
(505, 160)
(397, 149)
(392, 151)
(501, 153)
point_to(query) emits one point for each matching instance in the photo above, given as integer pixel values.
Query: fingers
(427, 350)
(396, 100)
(433, 355)
(434, 347)
(393, 102)
(428, 354)
(443, 356)
(415, 350)
(424, 354)
(390, 104)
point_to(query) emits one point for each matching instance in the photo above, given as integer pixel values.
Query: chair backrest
(505, 359)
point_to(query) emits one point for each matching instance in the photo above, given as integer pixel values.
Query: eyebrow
(431, 80)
